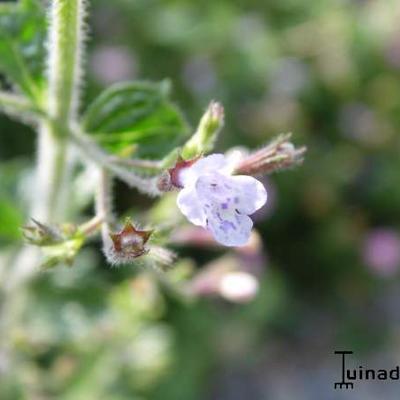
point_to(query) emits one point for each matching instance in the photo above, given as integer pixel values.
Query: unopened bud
(63, 252)
(238, 287)
(40, 234)
(164, 182)
(59, 245)
(223, 277)
(204, 138)
(279, 154)
(127, 244)
(171, 179)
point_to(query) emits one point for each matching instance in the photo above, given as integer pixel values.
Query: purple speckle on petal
(236, 200)
(227, 225)
(224, 206)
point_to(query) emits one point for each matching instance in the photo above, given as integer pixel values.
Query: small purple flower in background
(381, 251)
(199, 75)
(220, 202)
(111, 64)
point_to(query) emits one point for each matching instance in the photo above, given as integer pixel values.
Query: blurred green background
(326, 70)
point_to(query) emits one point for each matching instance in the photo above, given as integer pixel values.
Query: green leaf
(10, 220)
(136, 114)
(22, 44)
(12, 204)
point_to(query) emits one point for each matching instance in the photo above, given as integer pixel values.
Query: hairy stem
(92, 226)
(48, 204)
(65, 27)
(18, 106)
(104, 206)
(101, 158)
(135, 163)
(66, 38)
(64, 46)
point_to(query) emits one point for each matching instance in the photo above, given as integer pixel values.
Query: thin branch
(65, 42)
(103, 159)
(19, 107)
(49, 196)
(135, 163)
(103, 202)
(92, 226)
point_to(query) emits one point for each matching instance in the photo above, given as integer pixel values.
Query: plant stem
(135, 163)
(92, 226)
(66, 38)
(65, 45)
(48, 204)
(18, 106)
(103, 159)
(65, 27)
(104, 207)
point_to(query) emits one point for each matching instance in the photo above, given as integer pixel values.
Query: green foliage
(22, 44)
(10, 220)
(326, 70)
(11, 216)
(137, 116)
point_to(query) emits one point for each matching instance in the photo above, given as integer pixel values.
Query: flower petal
(228, 225)
(242, 193)
(227, 230)
(250, 194)
(213, 162)
(190, 206)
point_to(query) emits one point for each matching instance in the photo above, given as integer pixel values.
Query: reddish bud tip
(129, 243)
(170, 179)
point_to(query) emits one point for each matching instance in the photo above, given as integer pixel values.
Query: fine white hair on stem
(19, 107)
(65, 45)
(103, 204)
(100, 157)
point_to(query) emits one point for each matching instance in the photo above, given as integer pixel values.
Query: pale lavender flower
(220, 202)
(381, 251)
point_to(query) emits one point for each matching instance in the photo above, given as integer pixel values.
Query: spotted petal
(249, 194)
(223, 200)
(242, 193)
(228, 229)
(190, 206)
(213, 162)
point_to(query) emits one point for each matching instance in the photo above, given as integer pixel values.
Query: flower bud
(238, 287)
(40, 234)
(279, 154)
(224, 278)
(63, 252)
(204, 138)
(171, 179)
(59, 245)
(164, 183)
(127, 245)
